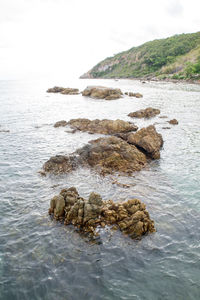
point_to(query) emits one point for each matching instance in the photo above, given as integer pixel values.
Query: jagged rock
(106, 155)
(101, 126)
(101, 92)
(62, 90)
(173, 122)
(60, 123)
(149, 112)
(137, 95)
(148, 140)
(131, 217)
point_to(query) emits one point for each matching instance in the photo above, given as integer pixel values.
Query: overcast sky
(58, 38)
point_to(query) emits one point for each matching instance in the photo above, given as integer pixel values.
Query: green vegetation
(175, 57)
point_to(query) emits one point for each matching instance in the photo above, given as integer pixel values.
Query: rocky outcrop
(105, 155)
(62, 123)
(65, 91)
(101, 92)
(131, 217)
(173, 122)
(149, 112)
(100, 126)
(148, 140)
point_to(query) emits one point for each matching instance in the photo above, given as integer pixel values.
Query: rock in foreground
(131, 217)
(62, 90)
(101, 92)
(101, 126)
(106, 155)
(149, 112)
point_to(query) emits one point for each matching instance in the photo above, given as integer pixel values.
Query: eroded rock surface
(106, 155)
(131, 217)
(62, 90)
(149, 112)
(101, 92)
(148, 140)
(101, 126)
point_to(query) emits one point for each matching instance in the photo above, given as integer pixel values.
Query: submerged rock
(131, 217)
(101, 126)
(137, 95)
(173, 122)
(62, 90)
(149, 112)
(146, 139)
(101, 92)
(106, 155)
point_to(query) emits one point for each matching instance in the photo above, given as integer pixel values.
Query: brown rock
(137, 95)
(130, 217)
(70, 91)
(173, 122)
(55, 89)
(62, 90)
(101, 126)
(100, 92)
(149, 112)
(60, 123)
(148, 140)
(106, 155)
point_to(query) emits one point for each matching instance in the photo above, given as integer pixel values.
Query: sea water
(43, 259)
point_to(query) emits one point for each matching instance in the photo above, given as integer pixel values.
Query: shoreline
(145, 80)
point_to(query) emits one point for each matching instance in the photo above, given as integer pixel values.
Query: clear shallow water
(42, 259)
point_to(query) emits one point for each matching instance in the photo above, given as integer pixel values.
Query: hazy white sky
(57, 38)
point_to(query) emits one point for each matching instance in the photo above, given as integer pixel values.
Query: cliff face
(174, 57)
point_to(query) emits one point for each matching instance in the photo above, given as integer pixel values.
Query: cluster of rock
(64, 91)
(101, 92)
(131, 217)
(148, 112)
(99, 126)
(124, 153)
(95, 92)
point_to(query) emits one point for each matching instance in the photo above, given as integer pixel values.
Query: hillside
(176, 57)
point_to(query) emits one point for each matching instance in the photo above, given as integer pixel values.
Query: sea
(43, 259)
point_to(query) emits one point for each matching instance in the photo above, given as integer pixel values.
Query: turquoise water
(42, 259)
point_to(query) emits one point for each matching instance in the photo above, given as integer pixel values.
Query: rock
(149, 112)
(137, 95)
(166, 127)
(62, 123)
(4, 130)
(101, 126)
(100, 92)
(173, 122)
(57, 206)
(148, 140)
(62, 90)
(55, 89)
(70, 91)
(106, 155)
(131, 217)
(163, 117)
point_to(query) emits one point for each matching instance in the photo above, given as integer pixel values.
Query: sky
(62, 38)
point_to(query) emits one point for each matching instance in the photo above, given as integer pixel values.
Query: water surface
(42, 259)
